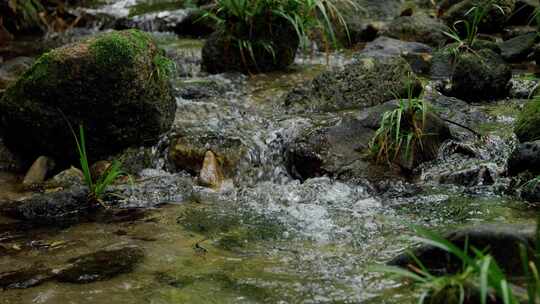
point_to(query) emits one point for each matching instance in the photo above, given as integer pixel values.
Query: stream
(265, 236)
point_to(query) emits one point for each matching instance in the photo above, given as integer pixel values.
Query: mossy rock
(115, 84)
(418, 28)
(221, 51)
(495, 19)
(473, 76)
(366, 82)
(527, 127)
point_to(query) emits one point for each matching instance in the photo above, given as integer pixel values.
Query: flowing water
(265, 237)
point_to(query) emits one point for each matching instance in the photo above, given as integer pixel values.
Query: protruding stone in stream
(495, 18)
(211, 174)
(51, 208)
(38, 171)
(472, 76)
(340, 149)
(101, 265)
(66, 179)
(502, 241)
(115, 84)
(187, 152)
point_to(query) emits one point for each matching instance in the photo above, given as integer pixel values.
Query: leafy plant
(401, 130)
(465, 32)
(96, 188)
(480, 275)
(240, 19)
(26, 12)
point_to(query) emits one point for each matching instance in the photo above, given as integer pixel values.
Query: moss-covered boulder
(527, 126)
(498, 11)
(263, 49)
(115, 84)
(473, 76)
(364, 83)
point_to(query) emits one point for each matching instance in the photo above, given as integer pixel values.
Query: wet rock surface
(367, 82)
(518, 48)
(473, 79)
(418, 28)
(51, 208)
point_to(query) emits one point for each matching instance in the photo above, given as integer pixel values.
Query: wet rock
(526, 157)
(494, 20)
(502, 241)
(418, 28)
(518, 49)
(24, 278)
(418, 55)
(530, 191)
(66, 179)
(51, 208)
(342, 149)
(366, 22)
(435, 130)
(12, 69)
(127, 99)
(201, 89)
(211, 175)
(364, 83)
(101, 265)
(480, 174)
(134, 160)
(220, 54)
(384, 47)
(527, 126)
(515, 31)
(334, 150)
(38, 171)
(187, 151)
(479, 76)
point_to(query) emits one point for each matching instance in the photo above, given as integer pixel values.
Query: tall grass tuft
(97, 188)
(401, 130)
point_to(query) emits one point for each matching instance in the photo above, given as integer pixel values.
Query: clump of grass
(464, 32)
(239, 19)
(480, 280)
(401, 130)
(26, 12)
(96, 188)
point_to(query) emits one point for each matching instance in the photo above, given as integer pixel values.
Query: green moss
(119, 48)
(528, 124)
(163, 67)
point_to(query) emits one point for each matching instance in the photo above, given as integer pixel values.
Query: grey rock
(418, 28)
(518, 49)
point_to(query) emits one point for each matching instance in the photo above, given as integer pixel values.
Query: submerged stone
(24, 278)
(115, 84)
(101, 265)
